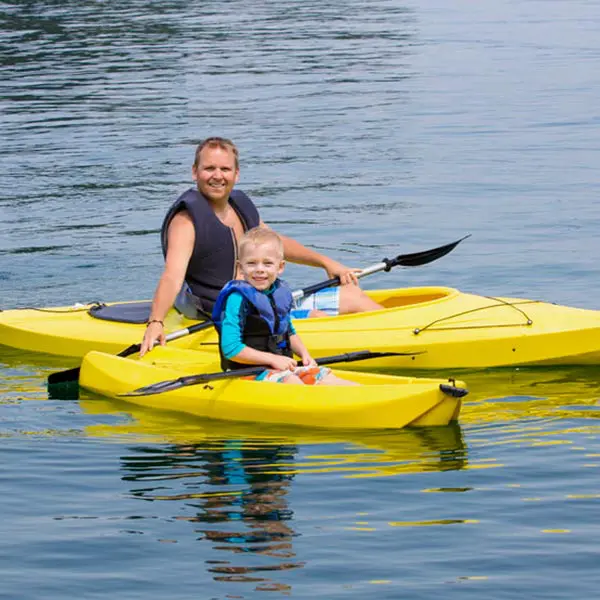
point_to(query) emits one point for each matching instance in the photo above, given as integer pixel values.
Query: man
(199, 238)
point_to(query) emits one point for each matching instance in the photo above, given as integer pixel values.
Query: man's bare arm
(180, 245)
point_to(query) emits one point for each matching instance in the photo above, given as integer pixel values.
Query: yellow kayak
(380, 401)
(448, 329)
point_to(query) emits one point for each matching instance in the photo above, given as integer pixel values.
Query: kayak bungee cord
(501, 303)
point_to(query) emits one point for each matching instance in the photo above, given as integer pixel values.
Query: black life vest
(212, 263)
(266, 318)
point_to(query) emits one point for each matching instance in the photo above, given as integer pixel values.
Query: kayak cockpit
(139, 312)
(395, 298)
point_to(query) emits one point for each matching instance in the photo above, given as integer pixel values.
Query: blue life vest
(265, 318)
(212, 263)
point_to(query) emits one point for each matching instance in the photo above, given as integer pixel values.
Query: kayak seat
(124, 312)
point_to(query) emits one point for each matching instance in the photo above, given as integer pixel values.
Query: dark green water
(365, 130)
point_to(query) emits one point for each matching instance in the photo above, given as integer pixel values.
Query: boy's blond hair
(258, 236)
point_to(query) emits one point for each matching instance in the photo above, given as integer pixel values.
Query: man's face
(215, 174)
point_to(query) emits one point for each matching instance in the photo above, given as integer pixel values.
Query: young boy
(252, 317)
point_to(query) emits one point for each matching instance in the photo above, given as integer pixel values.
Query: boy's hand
(308, 360)
(283, 363)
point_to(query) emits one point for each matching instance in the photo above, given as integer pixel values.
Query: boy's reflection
(238, 490)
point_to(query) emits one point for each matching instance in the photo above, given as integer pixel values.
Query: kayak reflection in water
(199, 240)
(238, 492)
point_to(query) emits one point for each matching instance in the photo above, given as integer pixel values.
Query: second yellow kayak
(380, 401)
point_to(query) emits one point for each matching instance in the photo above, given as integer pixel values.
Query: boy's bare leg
(331, 379)
(293, 379)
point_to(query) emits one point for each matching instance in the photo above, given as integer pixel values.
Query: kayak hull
(379, 402)
(442, 327)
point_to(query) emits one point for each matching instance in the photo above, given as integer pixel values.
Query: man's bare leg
(354, 300)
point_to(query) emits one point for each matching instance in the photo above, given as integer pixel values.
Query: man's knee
(353, 300)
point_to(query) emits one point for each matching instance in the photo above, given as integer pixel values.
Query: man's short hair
(217, 142)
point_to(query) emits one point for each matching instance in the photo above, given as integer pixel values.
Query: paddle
(414, 259)
(72, 375)
(174, 384)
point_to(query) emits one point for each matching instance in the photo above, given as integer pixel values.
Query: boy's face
(261, 265)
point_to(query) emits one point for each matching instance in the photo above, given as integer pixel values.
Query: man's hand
(346, 274)
(154, 332)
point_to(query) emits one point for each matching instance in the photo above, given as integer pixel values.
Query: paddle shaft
(187, 380)
(335, 281)
(174, 335)
(72, 375)
(325, 360)
(406, 260)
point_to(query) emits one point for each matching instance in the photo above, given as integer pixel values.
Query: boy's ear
(281, 266)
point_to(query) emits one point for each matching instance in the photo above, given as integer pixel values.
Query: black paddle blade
(174, 384)
(68, 376)
(416, 259)
(72, 375)
(158, 388)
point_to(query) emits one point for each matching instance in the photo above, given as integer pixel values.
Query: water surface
(365, 131)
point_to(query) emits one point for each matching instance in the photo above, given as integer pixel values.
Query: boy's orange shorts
(308, 375)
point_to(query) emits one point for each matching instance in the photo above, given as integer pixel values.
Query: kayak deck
(380, 401)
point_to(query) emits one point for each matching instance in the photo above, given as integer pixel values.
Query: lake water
(365, 130)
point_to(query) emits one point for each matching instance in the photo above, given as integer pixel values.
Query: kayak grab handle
(452, 390)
